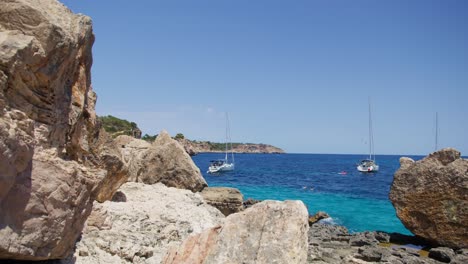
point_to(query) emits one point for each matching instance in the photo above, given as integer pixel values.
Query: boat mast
(436, 132)
(371, 137)
(228, 139)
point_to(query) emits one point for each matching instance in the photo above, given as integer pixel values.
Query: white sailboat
(369, 165)
(224, 165)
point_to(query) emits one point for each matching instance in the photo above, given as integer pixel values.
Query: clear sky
(295, 74)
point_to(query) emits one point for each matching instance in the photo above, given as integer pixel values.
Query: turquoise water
(356, 200)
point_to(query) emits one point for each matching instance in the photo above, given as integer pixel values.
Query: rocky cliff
(47, 122)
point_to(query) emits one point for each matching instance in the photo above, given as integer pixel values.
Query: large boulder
(165, 161)
(431, 197)
(268, 232)
(140, 230)
(227, 200)
(46, 121)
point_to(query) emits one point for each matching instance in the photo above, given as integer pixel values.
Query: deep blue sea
(356, 200)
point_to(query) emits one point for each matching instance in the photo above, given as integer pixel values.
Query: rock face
(109, 157)
(227, 200)
(46, 122)
(268, 232)
(165, 161)
(140, 230)
(431, 197)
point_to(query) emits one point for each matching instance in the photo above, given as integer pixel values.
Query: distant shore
(194, 147)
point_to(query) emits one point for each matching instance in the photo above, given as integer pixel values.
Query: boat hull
(372, 168)
(222, 168)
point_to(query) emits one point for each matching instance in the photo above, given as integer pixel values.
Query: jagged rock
(364, 239)
(442, 254)
(317, 217)
(136, 133)
(249, 202)
(333, 244)
(109, 157)
(227, 200)
(431, 197)
(370, 254)
(47, 121)
(163, 161)
(268, 232)
(141, 229)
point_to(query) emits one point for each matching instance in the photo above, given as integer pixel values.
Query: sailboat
(369, 165)
(224, 165)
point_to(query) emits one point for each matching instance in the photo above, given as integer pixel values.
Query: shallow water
(356, 200)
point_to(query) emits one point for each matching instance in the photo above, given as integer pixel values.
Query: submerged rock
(268, 232)
(227, 200)
(431, 197)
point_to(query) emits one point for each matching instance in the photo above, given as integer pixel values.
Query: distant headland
(116, 127)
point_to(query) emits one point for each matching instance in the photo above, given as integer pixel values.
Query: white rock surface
(140, 230)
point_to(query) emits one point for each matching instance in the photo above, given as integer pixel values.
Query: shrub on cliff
(116, 126)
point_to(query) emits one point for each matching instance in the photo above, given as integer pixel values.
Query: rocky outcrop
(431, 197)
(227, 200)
(317, 217)
(46, 122)
(334, 244)
(141, 229)
(268, 232)
(193, 147)
(109, 157)
(165, 161)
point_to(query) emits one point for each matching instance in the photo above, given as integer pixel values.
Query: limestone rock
(442, 254)
(431, 198)
(250, 202)
(45, 210)
(165, 161)
(268, 232)
(109, 157)
(47, 120)
(227, 200)
(317, 217)
(140, 230)
(334, 244)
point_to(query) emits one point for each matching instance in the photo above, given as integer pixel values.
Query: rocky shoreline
(71, 194)
(334, 244)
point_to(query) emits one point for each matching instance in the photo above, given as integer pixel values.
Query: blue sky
(295, 74)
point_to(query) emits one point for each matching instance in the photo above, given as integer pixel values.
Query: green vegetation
(116, 126)
(221, 146)
(149, 138)
(179, 136)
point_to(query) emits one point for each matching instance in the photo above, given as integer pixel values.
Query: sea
(324, 182)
